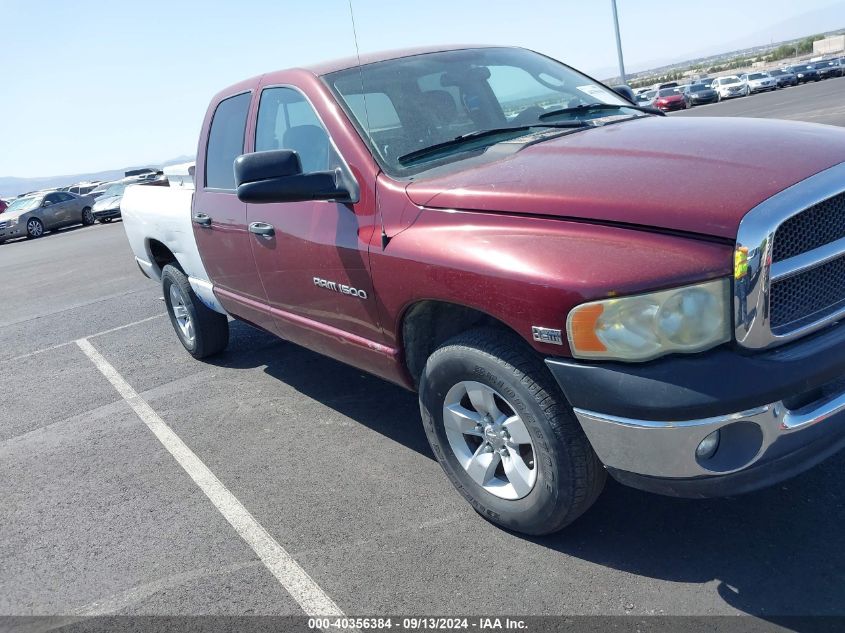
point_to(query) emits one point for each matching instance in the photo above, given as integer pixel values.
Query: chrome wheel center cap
(493, 437)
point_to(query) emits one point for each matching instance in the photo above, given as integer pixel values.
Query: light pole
(618, 42)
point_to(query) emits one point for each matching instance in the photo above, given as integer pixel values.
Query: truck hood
(698, 175)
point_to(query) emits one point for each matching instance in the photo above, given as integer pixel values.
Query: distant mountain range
(11, 186)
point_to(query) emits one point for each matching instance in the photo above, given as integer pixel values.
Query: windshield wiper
(471, 136)
(598, 106)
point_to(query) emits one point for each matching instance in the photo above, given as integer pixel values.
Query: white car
(758, 82)
(730, 86)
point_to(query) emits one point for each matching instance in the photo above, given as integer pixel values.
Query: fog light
(708, 446)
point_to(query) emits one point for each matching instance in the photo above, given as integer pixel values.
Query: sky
(88, 86)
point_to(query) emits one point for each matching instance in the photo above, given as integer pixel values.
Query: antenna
(384, 238)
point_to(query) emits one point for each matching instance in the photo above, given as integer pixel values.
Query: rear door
(219, 218)
(71, 208)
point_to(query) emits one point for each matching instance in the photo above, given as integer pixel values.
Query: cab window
(286, 120)
(226, 142)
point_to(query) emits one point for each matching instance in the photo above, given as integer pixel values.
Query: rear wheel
(34, 228)
(201, 330)
(87, 217)
(504, 434)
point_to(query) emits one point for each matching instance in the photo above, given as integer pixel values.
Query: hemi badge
(547, 335)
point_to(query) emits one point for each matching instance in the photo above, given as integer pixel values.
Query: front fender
(526, 271)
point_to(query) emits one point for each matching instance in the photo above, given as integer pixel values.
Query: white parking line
(66, 343)
(287, 571)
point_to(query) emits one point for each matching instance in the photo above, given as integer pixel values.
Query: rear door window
(226, 142)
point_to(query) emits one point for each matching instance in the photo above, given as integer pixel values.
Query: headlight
(643, 327)
(11, 221)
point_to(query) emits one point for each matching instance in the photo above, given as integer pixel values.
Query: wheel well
(428, 324)
(161, 255)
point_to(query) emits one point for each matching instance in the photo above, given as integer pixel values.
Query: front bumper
(106, 213)
(99, 214)
(11, 231)
(777, 413)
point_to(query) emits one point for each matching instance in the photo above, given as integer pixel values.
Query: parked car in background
(646, 99)
(107, 206)
(759, 82)
(670, 99)
(31, 216)
(730, 87)
(100, 190)
(784, 77)
(805, 73)
(700, 93)
(828, 68)
(84, 188)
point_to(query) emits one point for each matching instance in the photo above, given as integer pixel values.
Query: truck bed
(163, 214)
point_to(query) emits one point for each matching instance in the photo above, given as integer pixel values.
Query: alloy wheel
(181, 314)
(35, 228)
(489, 440)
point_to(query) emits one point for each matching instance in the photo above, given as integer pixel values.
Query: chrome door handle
(262, 228)
(203, 219)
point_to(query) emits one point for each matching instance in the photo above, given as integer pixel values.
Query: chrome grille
(821, 224)
(3, 225)
(808, 296)
(790, 275)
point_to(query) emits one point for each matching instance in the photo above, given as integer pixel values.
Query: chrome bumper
(668, 449)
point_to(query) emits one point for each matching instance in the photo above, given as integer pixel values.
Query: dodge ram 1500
(575, 285)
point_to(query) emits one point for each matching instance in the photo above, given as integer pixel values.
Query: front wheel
(34, 228)
(87, 217)
(504, 434)
(201, 330)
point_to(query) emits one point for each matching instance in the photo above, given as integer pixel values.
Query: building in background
(829, 45)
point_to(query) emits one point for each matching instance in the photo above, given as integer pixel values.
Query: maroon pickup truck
(575, 285)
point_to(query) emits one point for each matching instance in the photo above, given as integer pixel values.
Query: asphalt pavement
(97, 517)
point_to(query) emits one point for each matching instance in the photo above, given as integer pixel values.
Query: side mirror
(625, 92)
(276, 176)
(46, 203)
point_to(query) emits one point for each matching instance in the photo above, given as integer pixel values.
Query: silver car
(36, 213)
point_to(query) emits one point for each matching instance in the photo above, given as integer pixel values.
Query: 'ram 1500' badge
(341, 288)
(547, 335)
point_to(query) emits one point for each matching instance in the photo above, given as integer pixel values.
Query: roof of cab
(323, 68)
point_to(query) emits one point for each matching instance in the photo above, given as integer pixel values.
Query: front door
(219, 218)
(53, 210)
(315, 267)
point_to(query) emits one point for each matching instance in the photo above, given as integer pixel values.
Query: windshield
(667, 92)
(411, 103)
(24, 204)
(724, 81)
(758, 76)
(699, 87)
(776, 73)
(114, 190)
